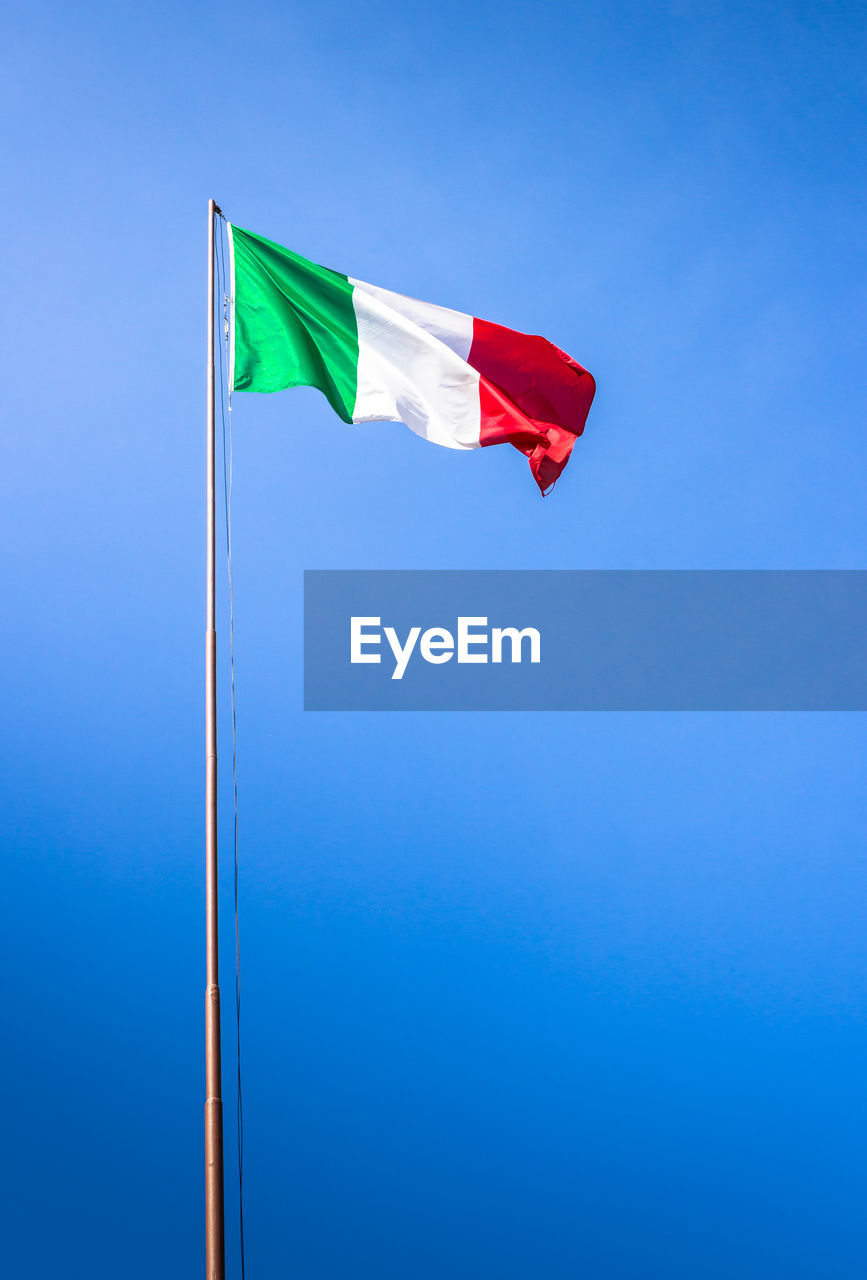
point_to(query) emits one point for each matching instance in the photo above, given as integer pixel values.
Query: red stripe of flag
(532, 396)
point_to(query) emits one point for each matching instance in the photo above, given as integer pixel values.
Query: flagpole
(215, 1255)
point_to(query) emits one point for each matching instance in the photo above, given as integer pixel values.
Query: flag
(379, 356)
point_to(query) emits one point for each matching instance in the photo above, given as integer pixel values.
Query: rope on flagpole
(226, 418)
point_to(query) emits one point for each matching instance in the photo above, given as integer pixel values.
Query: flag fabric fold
(377, 356)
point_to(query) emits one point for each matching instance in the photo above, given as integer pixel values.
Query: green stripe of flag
(295, 324)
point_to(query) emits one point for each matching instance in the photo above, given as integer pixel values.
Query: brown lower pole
(215, 1249)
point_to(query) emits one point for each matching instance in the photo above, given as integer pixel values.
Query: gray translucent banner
(549, 640)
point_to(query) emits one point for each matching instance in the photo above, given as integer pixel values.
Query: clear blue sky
(525, 996)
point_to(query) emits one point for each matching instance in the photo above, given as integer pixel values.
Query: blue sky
(525, 995)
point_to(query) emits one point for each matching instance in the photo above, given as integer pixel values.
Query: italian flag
(378, 356)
